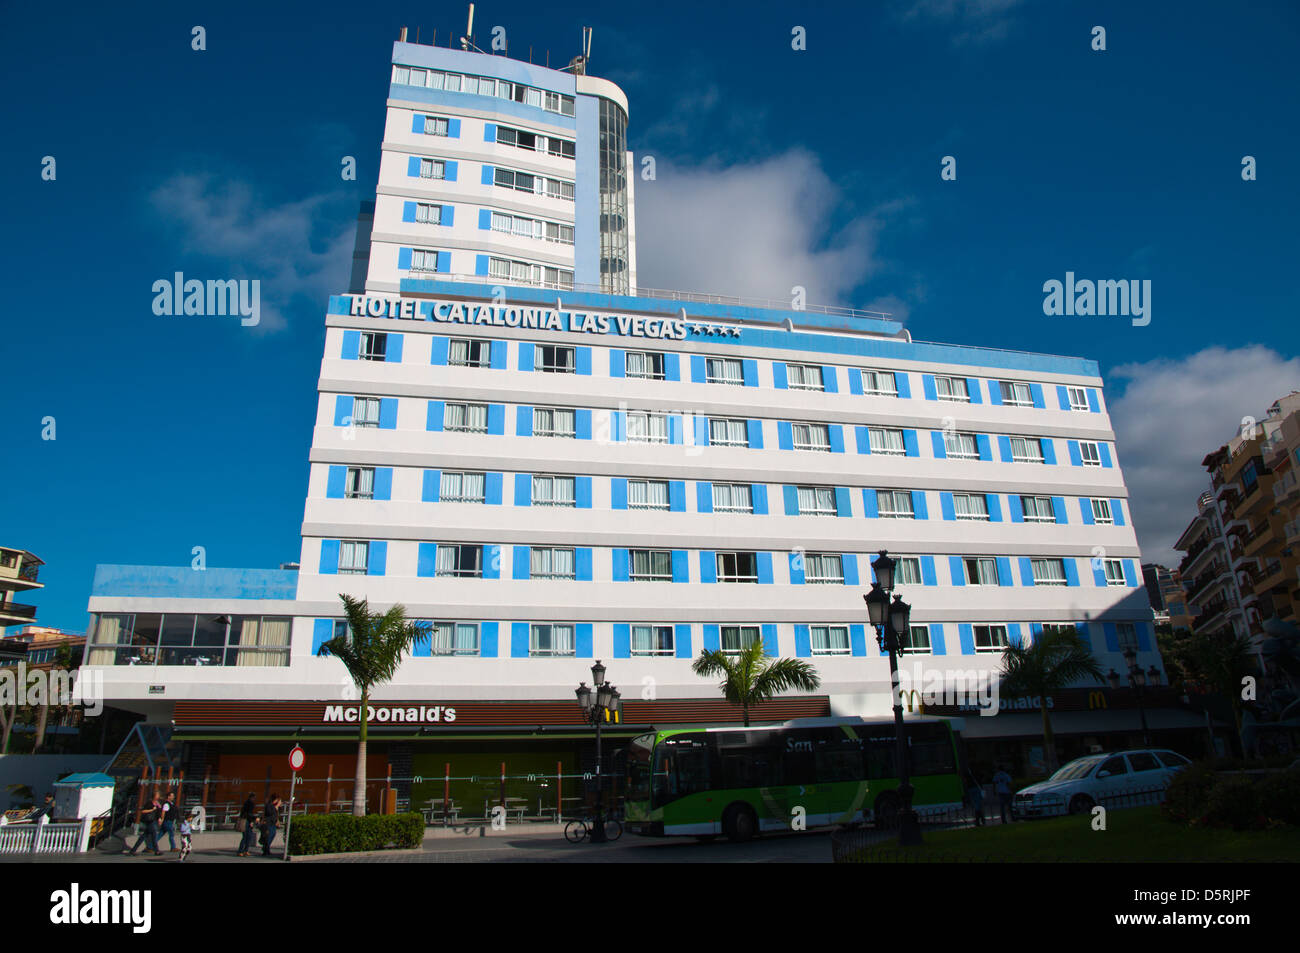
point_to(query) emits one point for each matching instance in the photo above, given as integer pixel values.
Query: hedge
(1200, 797)
(344, 833)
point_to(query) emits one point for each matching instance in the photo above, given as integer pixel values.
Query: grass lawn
(1134, 835)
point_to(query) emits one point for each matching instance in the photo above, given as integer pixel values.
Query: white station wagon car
(1099, 779)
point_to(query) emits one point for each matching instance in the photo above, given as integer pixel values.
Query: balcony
(1200, 585)
(1258, 540)
(16, 611)
(1210, 613)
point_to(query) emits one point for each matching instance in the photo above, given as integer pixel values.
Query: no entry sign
(297, 758)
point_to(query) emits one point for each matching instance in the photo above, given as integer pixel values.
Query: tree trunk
(7, 718)
(744, 707)
(359, 792)
(42, 719)
(1049, 740)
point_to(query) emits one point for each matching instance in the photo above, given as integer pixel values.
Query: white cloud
(972, 22)
(1171, 414)
(754, 231)
(225, 220)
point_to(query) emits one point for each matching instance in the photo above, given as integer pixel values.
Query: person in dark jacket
(45, 810)
(248, 815)
(149, 818)
(270, 820)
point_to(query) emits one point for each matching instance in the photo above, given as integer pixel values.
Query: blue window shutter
(677, 496)
(342, 411)
(863, 438)
(618, 493)
(431, 487)
(1049, 450)
(1013, 634)
(708, 566)
(919, 509)
(712, 638)
(796, 568)
(1130, 573)
(842, 505)
(791, 501)
(582, 492)
(703, 497)
(481, 265)
(973, 387)
(682, 640)
(928, 577)
(491, 562)
(1026, 571)
(489, 638)
(700, 425)
(334, 485)
(1094, 402)
(1085, 636)
(901, 382)
(936, 441)
(383, 488)
(485, 219)
(523, 489)
(496, 419)
(985, 446)
(858, 639)
(582, 563)
(1105, 454)
(449, 170)
(497, 356)
(995, 507)
(617, 362)
(769, 639)
(329, 557)
(1144, 632)
(447, 219)
(488, 176)
(1076, 459)
(622, 640)
(681, 566)
(1099, 573)
(697, 368)
(675, 429)
(526, 355)
(966, 635)
(995, 394)
(1015, 508)
(750, 370)
(519, 640)
(927, 385)
(937, 646)
(322, 632)
(1117, 511)
(438, 350)
(408, 211)
(784, 435)
(910, 443)
(489, 132)
(830, 379)
(522, 562)
(1112, 636)
(754, 431)
(1085, 511)
(1037, 391)
(946, 506)
(582, 361)
(351, 345)
(393, 353)
(850, 563)
(957, 570)
(404, 258)
(870, 505)
(1071, 572)
(413, 166)
(617, 425)
(443, 262)
(620, 565)
(855, 380)
(453, 128)
(836, 434)
(1004, 572)
(673, 372)
(582, 423)
(388, 413)
(523, 421)
(492, 488)
(802, 642)
(1004, 448)
(1059, 511)
(758, 495)
(1063, 396)
(377, 558)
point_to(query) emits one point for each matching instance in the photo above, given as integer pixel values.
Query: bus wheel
(1080, 804)
(888, 808)
(739, 823)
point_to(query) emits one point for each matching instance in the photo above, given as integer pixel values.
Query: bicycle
(579, 829)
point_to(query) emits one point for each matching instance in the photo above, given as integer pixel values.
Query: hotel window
(827, 568)
(465, 418)
(647, 428)
(558, 232)
(1090, 453)
(724, 370)
(830, 640)
(365, 412)
(1048, 572)
(360, 483)
(525, 273)
(550, 563)
(519, 181)
(804, 377)
(980, 571)
(1026, 450)
(453, 560)
(952, 388)
(554, 422)
(960, 446)
(886, 441)
(453, 638)
(341, 629)
(551, 639)
(895, 504)
(559, 189)
(1016, 394)
(737, 567)
(1059, 628)
(353, 557)
(907, 571)
(553, 491)
(917, 641)
(373, 346)
(725, 432)
(644, 364)
(1078, 398)
(732, 498)
(555, 359)
(879, 383)
(435, 126)
(811, 437)
(647, 495)
(650, 565)
(1101, 511)
(424, 260)
(816, 501)
(1126, 635)
(463, 352)
(1114, 572)
(428, 214)
(652, 640)
(462, 487)
(1038, 509)
(970, 506)
(737, 638)
(516, 225)
(990, 638)
(432, 169)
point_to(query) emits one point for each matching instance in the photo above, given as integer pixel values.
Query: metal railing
(43, 837)
(18, 609)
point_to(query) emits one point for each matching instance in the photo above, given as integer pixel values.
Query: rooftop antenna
(467, 41)
(403, 37)
(579, 63)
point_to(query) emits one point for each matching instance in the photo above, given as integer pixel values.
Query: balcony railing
(29, 572)
(18, 609)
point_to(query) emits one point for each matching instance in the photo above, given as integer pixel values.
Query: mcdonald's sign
(1097, 699)
(913, 699)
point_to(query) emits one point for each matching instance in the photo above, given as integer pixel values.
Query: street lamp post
(891, 620)
(1138, 681)
(596, 707)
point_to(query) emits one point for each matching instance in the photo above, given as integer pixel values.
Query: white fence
(44, 837)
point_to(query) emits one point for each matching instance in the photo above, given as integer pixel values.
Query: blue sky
(178, 432)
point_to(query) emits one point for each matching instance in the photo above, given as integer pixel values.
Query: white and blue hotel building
(551, 468)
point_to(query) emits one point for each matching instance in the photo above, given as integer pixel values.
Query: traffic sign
(297, 758)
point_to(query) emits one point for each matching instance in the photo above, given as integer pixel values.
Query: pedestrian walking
(246, 823)
(1002, 785)
(149, 836)
(45, 810)
(167, 821)
(187, 832)
(270, 821)
(975, 797)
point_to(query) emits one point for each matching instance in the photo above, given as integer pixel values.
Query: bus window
(841, 765)
(931, 749)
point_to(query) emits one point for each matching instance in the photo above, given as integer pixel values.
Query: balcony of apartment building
(1204, 586)
(1214, 613)
(1198, 554)
(14, 613)
(19, 570)
(1259, 538)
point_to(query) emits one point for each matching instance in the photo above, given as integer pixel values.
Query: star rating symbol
(697, 329)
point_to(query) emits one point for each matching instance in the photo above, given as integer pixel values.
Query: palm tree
(1056, 658)
(1219, 661)
(371, 650)
(751, 676)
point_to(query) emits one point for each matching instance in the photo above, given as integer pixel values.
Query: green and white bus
(703, 782)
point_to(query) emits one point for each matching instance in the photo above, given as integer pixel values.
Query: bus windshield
(639, 755)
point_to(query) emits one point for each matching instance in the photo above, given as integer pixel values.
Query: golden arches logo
(1097, 699)
(913, 699)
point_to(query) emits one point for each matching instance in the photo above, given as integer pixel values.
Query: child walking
(187, 832)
